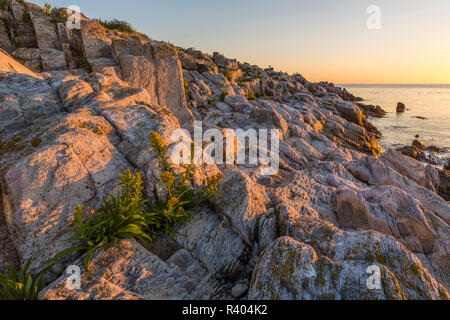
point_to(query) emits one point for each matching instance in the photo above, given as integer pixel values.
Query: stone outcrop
(338, 209)
(131, 272)
(401, 107)
(157, 68)
(8, 64)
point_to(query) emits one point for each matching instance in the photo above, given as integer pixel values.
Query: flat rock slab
(130, 270)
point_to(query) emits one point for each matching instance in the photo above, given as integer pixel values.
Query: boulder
(447, 166)
(187, 61)
(243, 202)
(24, 99)
(170, 88)
(223, 62)
(129, 271)
(205, 236)
(239, 290)
(401, 107)
(139, 72)
(292, 270)
(157, 68)
(42, 191)
(95, 43)
(53, 59)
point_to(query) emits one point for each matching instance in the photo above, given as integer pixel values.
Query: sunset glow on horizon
(324, 40)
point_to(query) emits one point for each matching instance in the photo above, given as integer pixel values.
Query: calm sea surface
(428, 101)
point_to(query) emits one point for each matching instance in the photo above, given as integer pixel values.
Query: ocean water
(431, 102)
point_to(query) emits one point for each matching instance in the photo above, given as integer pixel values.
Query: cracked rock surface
(338, 207)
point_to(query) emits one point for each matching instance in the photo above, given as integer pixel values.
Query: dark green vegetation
(227, 73)
(121, 217)
(20, 285)
(5, 4)
(57, 14)
(117, 25)
(86, 65)
(129, 215)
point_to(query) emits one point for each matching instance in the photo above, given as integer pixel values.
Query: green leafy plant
(21, 285)
(121, 217)
(180, 195)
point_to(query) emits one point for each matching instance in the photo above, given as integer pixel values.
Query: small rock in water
(410, 151)
(401, 107)
(239, 290)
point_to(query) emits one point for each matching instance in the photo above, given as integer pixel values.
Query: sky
(324, 40)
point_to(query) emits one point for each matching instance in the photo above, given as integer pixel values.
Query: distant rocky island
(77, 107)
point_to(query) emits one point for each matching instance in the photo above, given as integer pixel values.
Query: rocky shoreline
(76, 110)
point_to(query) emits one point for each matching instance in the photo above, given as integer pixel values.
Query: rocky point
(76, 110)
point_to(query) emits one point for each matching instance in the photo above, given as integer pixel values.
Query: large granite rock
(5, 41)
(129, 271)
(157, 68)
(293, 270)
(44, 29)
(42, 191)
(53, 59)
(243, 202)
(95, 43)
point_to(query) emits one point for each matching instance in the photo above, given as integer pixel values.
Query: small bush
(180, 193)
(251, 96)
(186, 89)
(86, 65)
(224, 95)
(227, 73)
(58, 15)
(20, 285)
